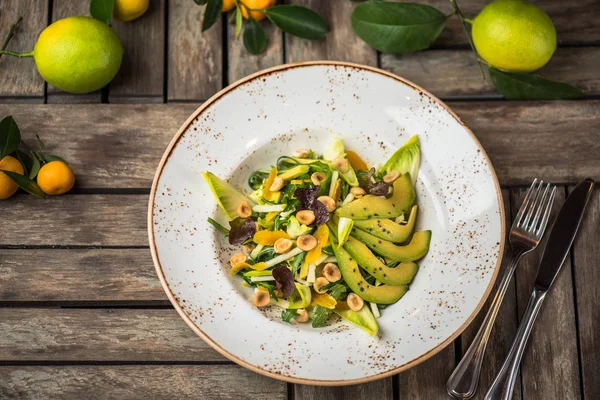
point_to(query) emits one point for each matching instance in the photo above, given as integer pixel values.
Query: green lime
(514, 35)
(78, 54)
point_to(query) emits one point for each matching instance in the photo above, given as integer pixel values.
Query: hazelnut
(302, 315)
(277, 184)
(306, 242)
(331, 272)
(391, 176)
(319, 283)
(301, 153)
(305, 217)
(237, 258)
(354, 302)
(341, 164)
(282, 245)
(244, 210)
(248, 247)
(317, 178)
(358, 191)
(261, 298)
(328, 201)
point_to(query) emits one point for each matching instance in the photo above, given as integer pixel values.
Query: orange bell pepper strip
(268, 238)
(267, 194)
(322, 236)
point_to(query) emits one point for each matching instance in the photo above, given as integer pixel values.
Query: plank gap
(32, 363)
(224, 51)
(166, 54)
(91, 304)
(67, 247)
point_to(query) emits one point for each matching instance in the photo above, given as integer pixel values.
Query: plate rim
(278, 376)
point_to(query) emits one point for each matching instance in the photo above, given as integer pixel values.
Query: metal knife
(557, 248)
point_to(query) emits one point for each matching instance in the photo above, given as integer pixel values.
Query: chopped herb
(297, 263)
(337, 291)
(320, 315)
(257, 178)
(289, 315)
(270, 288)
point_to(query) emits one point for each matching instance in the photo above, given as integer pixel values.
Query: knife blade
(562, 234)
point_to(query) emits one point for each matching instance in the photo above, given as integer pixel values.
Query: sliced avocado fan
(387, 229)
(369, 206)
(415, 249)
(402, 274)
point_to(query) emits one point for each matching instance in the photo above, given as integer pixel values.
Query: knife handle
(504, 384)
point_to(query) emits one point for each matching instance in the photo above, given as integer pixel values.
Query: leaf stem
(11, 33)
(20, 55)
(468, 20)
(463, 24)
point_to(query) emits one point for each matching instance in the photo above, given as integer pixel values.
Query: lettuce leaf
(406, 159)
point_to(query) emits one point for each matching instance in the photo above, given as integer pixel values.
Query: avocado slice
(370, 206)
(400, 275)
(228, 197)
(385, 294)
(415, 249)
(364, 318)
(387, 229)
(294, 172)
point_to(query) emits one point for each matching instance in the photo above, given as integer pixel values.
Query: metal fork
(525, 234)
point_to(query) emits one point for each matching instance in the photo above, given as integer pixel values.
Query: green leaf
(320, 315)
(25, 160)
(406, 159)
(50, 157)
(516, 86)
(338, 291)
(212, 13)
(397, 27)
(255, 39)
(26, 184)
(288, 315)
(201, 2)
(298, 21)
(238, 22)
(102, 10)
(218, 226)
(10, 136)
(35, 168)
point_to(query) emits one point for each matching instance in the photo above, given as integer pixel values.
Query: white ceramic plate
(271, 113)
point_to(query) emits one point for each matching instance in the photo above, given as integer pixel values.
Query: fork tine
(531, 206)
(539, 206)
(547, 212)
(524, 204)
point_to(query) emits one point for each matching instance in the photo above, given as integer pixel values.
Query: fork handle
(465, 378)
(504, 384)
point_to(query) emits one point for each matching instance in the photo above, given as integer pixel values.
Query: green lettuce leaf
(406, 159)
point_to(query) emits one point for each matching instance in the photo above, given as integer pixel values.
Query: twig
(463, 24)
(11, 33)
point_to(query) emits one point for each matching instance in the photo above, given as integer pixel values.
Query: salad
(325, 234)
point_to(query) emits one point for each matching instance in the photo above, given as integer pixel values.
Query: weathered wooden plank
(79, 275)
(142, 71)
(19, 77)
(380, 390)
(63, 9)
(101, 335)
(505, 326)
(217, 382)
(75, 220)
(448, 73)
(111, 146)
(195, 58)
(553, 341)
(586, 259)
(427, 381)
(562, 14)
(559, 141)
(242, 63)
(341, 43)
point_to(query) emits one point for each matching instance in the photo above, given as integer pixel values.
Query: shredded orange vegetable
(238, 267)
(323, 300)
(322, 236)
(267, 194)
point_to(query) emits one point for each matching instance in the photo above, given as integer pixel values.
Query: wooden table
(82, 314)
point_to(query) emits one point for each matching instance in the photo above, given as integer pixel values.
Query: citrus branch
(463, 24)
(20, 55)
(11, 33)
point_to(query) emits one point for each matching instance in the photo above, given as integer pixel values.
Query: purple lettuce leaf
(241, 230)
(284, 280)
